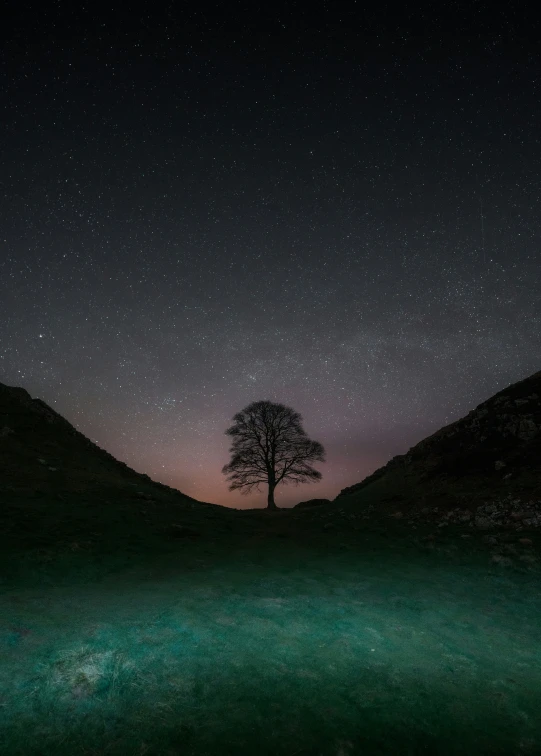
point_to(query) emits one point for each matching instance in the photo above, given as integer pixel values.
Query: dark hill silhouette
(60, 490)
(491, 458)
(39, 449)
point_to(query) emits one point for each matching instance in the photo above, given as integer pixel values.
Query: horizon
(286, 495)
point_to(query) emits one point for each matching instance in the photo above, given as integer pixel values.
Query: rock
(5, 432)
(527, 429)
(311, 503)
(483, 523)
(499, 464)
(526, 541)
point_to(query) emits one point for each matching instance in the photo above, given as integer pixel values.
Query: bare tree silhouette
(270, 446)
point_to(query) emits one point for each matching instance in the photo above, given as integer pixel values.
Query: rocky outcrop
(506, 512)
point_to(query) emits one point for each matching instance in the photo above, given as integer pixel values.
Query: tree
(270, 446)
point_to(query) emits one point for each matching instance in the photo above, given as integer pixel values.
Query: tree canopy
(270, 446)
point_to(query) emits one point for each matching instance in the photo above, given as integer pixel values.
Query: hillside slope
(492, 454)
(40, 451)
(60, 490)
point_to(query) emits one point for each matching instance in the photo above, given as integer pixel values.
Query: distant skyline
(333, 209)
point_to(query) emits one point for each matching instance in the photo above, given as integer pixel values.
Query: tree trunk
(270, 497)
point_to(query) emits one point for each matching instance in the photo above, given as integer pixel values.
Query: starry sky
(333, 208)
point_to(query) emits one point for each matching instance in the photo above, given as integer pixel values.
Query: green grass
(273, 638)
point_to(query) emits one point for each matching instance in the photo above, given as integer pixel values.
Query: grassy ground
(270, 635)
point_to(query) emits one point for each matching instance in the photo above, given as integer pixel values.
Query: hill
(487, 463)
(58, 487)
(41, 450)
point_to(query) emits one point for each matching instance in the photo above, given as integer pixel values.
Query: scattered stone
(5, 432)
(526, 541)
(505, 512)
(52, 469)
(532, 522)
(499, 464)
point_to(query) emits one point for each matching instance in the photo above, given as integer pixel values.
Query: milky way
(333, 212)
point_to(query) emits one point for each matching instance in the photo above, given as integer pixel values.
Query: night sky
(335, 209)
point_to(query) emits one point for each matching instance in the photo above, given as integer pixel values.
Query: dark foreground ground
(261, 633)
